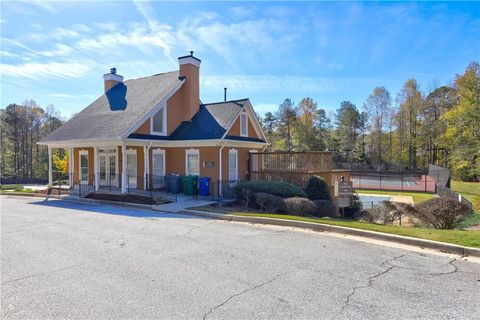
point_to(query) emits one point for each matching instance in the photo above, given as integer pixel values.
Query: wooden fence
(295, 167)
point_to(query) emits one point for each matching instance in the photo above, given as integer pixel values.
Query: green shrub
(441, 213)
(269, 203)
(355, 206)
(245, 190)
(317, 189)
(325, 208)
(300, 206)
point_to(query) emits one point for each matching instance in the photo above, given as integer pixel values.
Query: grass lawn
(470, 238)
(471, 191)
(14, 188)
(418, 197)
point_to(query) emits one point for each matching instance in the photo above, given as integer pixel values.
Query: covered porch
(141, 167)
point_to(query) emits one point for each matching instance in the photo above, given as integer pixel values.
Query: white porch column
(124, 168)
(96, 168)
(70, 167)
(146, 166)
(50, 176)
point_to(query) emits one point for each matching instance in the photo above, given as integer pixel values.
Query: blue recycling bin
(204, 186)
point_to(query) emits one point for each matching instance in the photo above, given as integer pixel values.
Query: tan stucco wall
(174, 114)
(243, 154)
(190, 90)
(144, 128)
(174, 162)
(235, 129)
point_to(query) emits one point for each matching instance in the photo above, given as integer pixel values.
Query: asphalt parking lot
(68, 260)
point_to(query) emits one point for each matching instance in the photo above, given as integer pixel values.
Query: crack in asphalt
(44, 273)
(187, 234)
(370, 281)
(241, 293)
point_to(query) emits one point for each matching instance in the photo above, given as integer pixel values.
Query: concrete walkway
(183, 202)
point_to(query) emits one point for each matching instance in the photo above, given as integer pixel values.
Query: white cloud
(35, 70)
(271, 83)
(59, 50)
(60, 95)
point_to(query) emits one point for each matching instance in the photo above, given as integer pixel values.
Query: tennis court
(393, 181)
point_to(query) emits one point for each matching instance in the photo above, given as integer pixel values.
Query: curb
(423, 243)
(83, 200)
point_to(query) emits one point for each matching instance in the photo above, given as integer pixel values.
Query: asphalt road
(66, 260)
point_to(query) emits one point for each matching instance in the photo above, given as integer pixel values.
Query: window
(132, 168)
(158, 169)
(243, 125)
(159, 122)
(83, 166)
(192, 162)
(232, 165)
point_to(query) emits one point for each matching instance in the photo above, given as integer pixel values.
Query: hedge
(246, 189)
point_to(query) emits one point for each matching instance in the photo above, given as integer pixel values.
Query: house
(155, 126)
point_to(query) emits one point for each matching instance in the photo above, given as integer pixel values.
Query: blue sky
(57, 52)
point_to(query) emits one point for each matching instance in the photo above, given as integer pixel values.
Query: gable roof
(210, 122)
(116, 111)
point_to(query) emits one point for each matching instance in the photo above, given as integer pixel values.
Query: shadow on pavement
(110, 209)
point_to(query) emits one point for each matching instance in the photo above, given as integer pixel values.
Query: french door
(158, 169)
(108, 169)
(132, 168)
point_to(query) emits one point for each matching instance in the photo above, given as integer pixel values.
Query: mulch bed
(53, 191)
(126, 198)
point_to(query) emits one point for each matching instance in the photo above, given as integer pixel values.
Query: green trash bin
(189, 185)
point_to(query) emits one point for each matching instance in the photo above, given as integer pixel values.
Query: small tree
(317, 189)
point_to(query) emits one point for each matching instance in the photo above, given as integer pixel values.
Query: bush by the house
(325, 208)
(300, 206)
(441, 213)
(268, 202)
(245, 190)
(317, 189)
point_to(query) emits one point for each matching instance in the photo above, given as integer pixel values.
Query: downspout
(220, 169)
(146, 169)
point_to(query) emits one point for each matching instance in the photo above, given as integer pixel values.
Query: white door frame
(132, 151)
(80, 154)
(235, 152)
(154, 152)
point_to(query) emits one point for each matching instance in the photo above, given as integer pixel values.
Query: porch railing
(86, 186)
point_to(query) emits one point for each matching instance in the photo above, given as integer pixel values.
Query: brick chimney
(111, 79)
(190, 69)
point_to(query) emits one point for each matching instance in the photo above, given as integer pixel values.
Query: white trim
(220, 158)
(256, 124)
(193, 152)
(235, 152)
(80, 154)
(124, 168)
(154, 110)
(112, 76)
(162, 152)
(96, 168)
(243, 115)
(187, 60)
(134, 152)
(50, 174)
(70, 167)
(165, 115)
(247, 107)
